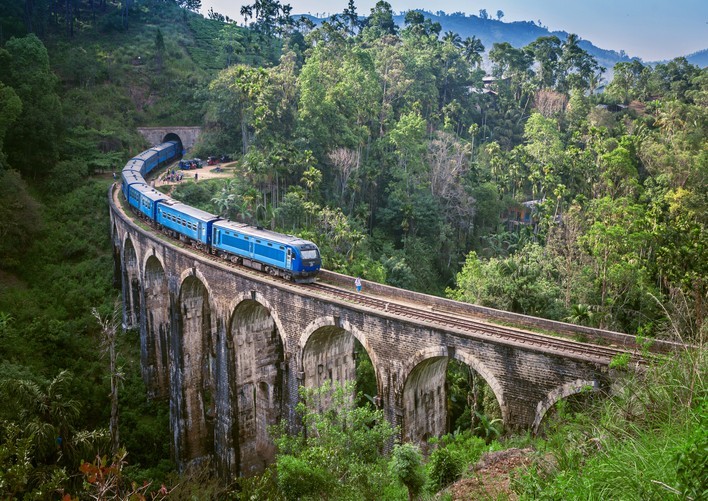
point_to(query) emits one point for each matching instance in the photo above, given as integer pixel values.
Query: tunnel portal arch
(171, 136)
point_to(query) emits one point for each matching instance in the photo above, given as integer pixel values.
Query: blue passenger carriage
(149, 161)
(193, 225)
(166, 151)
(128, 178)
(145, 199)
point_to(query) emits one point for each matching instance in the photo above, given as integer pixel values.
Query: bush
(445, 466)
(298, 478)
(406, 465)
(692, 471)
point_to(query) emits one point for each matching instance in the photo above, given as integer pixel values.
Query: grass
(646, 441)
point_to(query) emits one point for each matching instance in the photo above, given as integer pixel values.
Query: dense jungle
(512, 177)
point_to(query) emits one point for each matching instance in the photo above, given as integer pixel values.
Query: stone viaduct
(229, 349)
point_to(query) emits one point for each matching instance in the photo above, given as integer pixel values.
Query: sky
(653, 30)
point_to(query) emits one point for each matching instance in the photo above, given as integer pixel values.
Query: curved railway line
(421, 313)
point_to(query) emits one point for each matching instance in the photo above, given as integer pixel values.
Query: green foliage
(20, 218)
(445, 466)
(524, 283)
(299, 478)
(646, 441)
(692, 460)
(406, 466)
(453, 454)
(620, 361)
(339, 450)
(32, 143)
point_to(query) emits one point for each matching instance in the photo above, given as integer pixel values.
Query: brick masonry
(229, 349)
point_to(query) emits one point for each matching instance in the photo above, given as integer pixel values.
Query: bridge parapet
(444, 305)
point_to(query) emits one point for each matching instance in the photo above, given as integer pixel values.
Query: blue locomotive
(280, 255)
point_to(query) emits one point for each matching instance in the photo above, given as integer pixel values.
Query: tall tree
(380, 21)
(32, 143)
(546, 52)
(472, 50)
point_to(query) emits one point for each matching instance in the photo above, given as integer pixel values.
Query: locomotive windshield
(309, 254)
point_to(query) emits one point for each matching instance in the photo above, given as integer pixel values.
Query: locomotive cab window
(309, 254)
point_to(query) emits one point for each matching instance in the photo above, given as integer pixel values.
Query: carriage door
(289, 259)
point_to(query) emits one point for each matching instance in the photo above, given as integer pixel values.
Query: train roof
(258, 232)
(150, 193)
(164, 146)
(134, 164)
(132, 176)
(145, 155)
(191, 211)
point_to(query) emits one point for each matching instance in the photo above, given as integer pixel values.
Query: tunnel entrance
(171, 136)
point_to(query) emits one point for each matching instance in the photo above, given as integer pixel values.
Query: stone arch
(154, 338)
(430, 352)
(263, 300)
(480, 368)
(424, 384)
(117, 260)
(197, 274)
(131, 284)
(328, 325)
(559, 393)
(194, 352)
(256, 378)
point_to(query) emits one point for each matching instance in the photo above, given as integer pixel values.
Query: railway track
(420, 314)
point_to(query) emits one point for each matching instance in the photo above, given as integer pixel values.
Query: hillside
(699, 58)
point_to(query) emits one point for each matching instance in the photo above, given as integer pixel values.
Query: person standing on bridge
(357, 284)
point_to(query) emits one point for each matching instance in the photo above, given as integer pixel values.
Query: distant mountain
(699, 58)
(519, 34)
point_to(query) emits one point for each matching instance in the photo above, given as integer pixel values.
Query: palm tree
(452, 38)
(472, 49)
(486, 428)
(45, 411)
